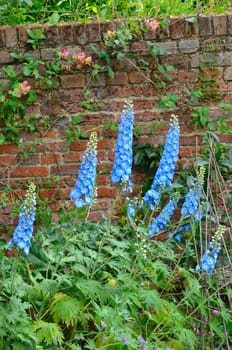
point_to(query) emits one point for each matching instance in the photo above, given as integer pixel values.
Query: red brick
(120, 78)
(211, 73)
(56, 193)
(123, 65)
(225, 86)
(102, 180)
(95, 216)
(66, 33)
(50, 134)
(103, 204)
(73, 157)
(51, 109)
(33, 159)
(177, 28)
(228, 73)
(105, 144)
(51, 147)
(81, 33)
(107, 192)
(33, 109)
(7, 159)
(51, 34)
(30, 171)
(79, 146)
(189, 140)
(75, 80)
(191, 29)
(163, 33)
(2, 37)
(8, 148)
(186, 151)
(186, 76)
(64, 170)
(229, 24)
(99, 81)
(219, 24)
(53, 158)
(11, 37)
(57, 204)
(227, 98)
(205, 27)
(101, 155)
(22, 35)
(157, 139)
(5, 57)
(139, 47)
(145, 104)
(138, 77)
(94, 30)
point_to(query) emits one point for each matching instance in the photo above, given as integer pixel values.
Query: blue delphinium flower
(180, 233)
(134, 204)
(208, 260)
(84, 190)
(121, 171)
(191, 205)
(161, 221)
(165, 172)
(23, 232)
(152, 198)
(124, 340)
(131, 210)
(142, 342)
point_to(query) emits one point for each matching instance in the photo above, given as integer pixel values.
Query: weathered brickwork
(188, 45)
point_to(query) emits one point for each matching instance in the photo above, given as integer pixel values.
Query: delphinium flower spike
(133, 205)
(165, 172)
(191, 203)
(160, 222)
(121, 171)
(23, 232)
(142, 342)
(84, 190)
(191, 207)
(208, 260)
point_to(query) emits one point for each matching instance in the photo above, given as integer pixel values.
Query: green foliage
(35, 38)
(85, 286)
(48, 332)
(168, 101)
(26, 11)
(65, 309)
(17, 94)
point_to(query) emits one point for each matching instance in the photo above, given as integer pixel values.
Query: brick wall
(187, 45)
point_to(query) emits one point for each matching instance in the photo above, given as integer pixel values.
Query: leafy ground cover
(27, 11)
(139, 281)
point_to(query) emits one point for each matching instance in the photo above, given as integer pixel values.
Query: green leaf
(48, 332)
(110, 72)
(65, 309)
(170, 68)
(28, 2)
(76, 120)
(15, 55)
(26, 71)
(161, 68)
(120, 55)
(2, 139)
(212, 126)
(54, 18)
(191, 20)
